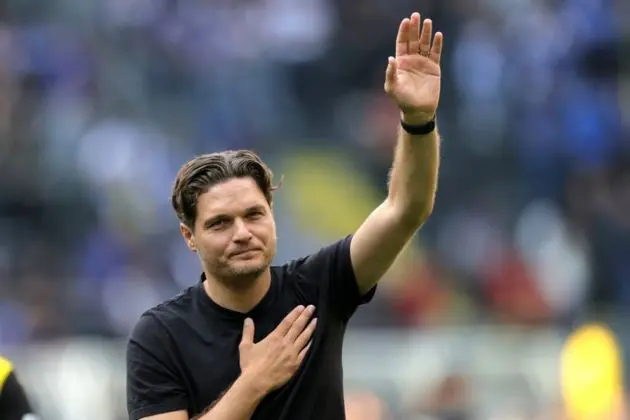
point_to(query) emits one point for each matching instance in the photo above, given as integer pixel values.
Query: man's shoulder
(322, 258)
(165, 315)
(180, 302)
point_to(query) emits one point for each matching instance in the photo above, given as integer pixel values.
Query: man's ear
(189, 237)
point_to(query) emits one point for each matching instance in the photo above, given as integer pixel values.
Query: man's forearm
(238, 402)
(413, 181)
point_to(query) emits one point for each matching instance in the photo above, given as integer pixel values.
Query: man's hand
(265, 366)
(275, 359)
(413, 76)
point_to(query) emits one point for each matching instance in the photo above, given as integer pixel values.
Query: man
(255, 341)
(14, 404)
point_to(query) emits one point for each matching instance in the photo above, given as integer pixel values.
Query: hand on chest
(217, 362)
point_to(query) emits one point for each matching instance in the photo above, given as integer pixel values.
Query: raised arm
(412, 79)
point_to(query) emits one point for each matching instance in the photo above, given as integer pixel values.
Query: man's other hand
(276, 358)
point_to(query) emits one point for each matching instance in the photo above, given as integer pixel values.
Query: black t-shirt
(14, 403)
(183, 354)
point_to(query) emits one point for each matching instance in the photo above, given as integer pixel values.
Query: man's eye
(217, 225)
(255, 215)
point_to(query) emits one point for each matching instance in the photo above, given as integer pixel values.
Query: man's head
(223, 201)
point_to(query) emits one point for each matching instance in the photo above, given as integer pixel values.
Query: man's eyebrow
(218, 218)
(255, 207)
(222, 217)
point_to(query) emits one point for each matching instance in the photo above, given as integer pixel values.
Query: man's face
(235, 233)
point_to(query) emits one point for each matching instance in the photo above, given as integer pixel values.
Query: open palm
(413, 76)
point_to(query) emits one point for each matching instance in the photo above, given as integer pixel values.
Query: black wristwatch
(418, 130)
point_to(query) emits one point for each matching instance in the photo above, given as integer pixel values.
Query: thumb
(248, 332)
(390, 74)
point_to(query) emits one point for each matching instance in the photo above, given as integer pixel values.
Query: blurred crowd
(101, 101)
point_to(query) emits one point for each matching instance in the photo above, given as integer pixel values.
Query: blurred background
(101, 101)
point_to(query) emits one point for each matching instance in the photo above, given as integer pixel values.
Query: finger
(413, 33)
(288, 321)
(425, 37)
(390, 74)
(304, 352)
(306, 335)
(300, 324)
(248, 332)
(436, 48)
(402, 40)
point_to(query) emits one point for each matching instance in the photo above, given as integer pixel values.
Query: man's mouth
(244, 252)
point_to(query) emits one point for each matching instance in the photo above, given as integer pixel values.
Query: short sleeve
(153, 386)
(332, 268)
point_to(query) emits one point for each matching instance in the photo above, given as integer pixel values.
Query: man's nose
(241, 231)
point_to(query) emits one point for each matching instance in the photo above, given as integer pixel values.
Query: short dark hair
(203, 172)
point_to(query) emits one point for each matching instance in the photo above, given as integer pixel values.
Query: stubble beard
(242, 278)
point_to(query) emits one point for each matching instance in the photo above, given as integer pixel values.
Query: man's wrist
(254, 383)
(418, 128)
(416, 119)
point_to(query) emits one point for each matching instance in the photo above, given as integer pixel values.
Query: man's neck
(239, 299)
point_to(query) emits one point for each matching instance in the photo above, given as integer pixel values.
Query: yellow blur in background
(592, 374)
